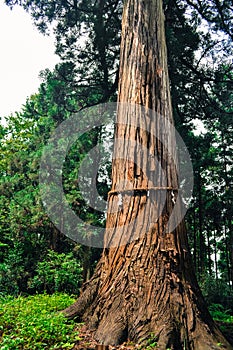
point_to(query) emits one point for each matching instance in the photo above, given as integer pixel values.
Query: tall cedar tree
(146, 286)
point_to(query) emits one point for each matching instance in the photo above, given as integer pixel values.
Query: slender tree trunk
(228, 205)
(215, 254)
(228, 252)
(202, 244)
(147, 285)
(195, 255)
(209, 251)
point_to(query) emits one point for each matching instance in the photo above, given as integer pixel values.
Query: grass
(34, 323)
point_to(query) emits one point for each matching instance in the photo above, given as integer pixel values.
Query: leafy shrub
(218, 313)
(34, 323)
(12, 271)
(217, 292)
(58, 273)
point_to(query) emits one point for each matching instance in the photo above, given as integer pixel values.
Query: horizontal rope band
(142, 190)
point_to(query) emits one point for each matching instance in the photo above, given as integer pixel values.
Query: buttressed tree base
(144, 282)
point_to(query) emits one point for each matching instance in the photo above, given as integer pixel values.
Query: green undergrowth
(219, 314)
(224, 319)
(34, 323)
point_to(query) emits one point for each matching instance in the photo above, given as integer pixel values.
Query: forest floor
(33, 322)
(88, 342)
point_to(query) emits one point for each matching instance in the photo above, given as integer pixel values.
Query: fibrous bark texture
(144, 283)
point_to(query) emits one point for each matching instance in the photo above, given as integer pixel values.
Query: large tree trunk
(144, 283)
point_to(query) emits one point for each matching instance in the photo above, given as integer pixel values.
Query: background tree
(27, 235)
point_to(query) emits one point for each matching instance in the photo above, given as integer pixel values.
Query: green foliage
(217, 292)
(34, 323)
(57, 273)
(26, 231)
(12, 273)
(218, 313)
(151, 343)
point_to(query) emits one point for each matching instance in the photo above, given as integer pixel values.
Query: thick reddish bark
(145, 284)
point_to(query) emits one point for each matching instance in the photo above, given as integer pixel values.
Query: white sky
(24, 52)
